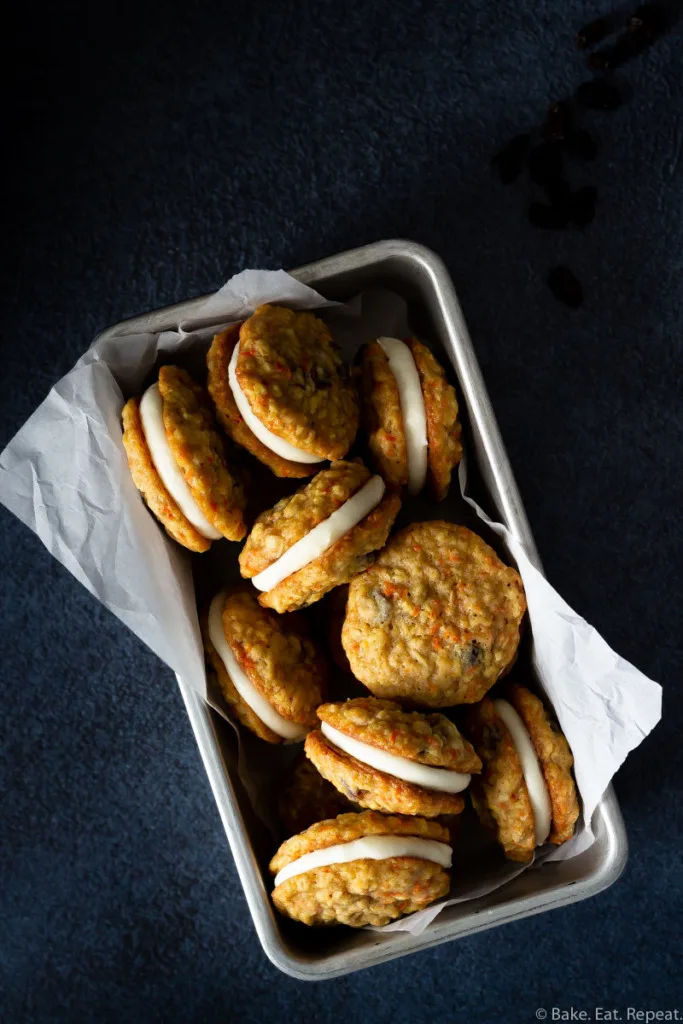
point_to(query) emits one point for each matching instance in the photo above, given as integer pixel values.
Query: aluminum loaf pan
(421, 277)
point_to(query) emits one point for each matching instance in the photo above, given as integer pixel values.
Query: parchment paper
(65, 475)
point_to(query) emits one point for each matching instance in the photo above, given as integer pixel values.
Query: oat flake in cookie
(435, 621)
(269, 669)
(319, 537)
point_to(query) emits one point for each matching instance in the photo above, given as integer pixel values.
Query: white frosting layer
(369, 848)
(531, 769)
(440, 779)
(322, 536)
(151, 415)
(250, 695)
(402, 365)
(265, 436)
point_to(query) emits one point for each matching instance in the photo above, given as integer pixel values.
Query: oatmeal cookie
(364, 891)
(383, 418)
(200, 452)
(295, 381)
(436, 619)
(229, 416)
(278, 657)
(149, 483)
(555, 759)
(277, 530)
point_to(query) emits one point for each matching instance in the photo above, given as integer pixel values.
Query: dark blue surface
(153, 149)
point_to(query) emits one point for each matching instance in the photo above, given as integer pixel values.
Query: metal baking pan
(421, 277)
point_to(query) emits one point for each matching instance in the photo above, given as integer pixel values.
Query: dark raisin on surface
(472, 654)
(510, 158)
(582, 206)
(627, 46)
(592, 33)
(541, 215)
(565, 287)
(582, 144)
(545, 163)
(651, 17)
(558, 123)
(603, 60)
(599, 94)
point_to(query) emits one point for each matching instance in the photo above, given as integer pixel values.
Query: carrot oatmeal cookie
(360, 869)
(388, 759)
(218, 363)
(179, 463)
(526, 794)
(410, 413)
(269, 669)
(436, 619)
(319, 537)
(290, 386)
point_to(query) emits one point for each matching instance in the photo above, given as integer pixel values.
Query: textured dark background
(151, 149)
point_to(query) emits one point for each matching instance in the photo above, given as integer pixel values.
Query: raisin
(582, 206)
(545, 163)
(565, 287)
(651, 17)
(558, 123)
(543, 216)
(599, 94)
(472, 654)
(510, 158)
(627, 46)
(592, 34)
(603, 60)
(583, 145)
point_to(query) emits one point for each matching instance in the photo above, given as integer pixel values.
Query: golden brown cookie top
(295, 381)
(347, 827)
(444, 447)
(218, 383)
(436, 619)
(555, 759)
(429, 739)
(277, 654)
(200, 453)
(279, 528)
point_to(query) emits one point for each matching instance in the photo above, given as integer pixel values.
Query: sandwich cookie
(282, 391)
(526, 794)
(410, 413)
(436, 619)
(270, 671)
(360, 869)
(179, 464)
(388, 759)
(319, 537)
